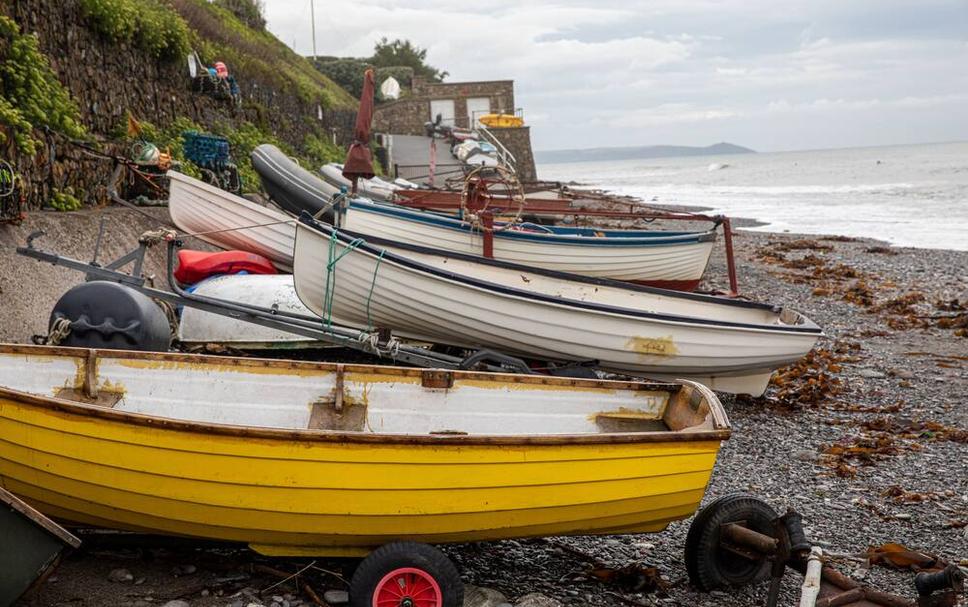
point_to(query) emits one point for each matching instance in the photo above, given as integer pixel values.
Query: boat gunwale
(368, 243)
(658, 239)
(35, 516)
(721, 426)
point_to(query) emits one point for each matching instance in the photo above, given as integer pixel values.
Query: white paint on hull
(396, 402)
(640, 263)
(262, 290)
(198, 208)
(425, 306)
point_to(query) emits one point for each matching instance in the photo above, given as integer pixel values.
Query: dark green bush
(348, 73)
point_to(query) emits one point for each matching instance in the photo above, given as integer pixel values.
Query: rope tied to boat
(239, 228)
(333, 258)
(329, 293)
(153, 237)
(371, 343)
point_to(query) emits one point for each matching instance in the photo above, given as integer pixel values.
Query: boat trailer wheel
(406, 574)
(711, 561)
(490, 190)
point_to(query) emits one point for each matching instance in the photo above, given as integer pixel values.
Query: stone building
(458, 104)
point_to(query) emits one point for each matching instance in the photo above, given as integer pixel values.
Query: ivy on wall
(151, 25)
(30, 94)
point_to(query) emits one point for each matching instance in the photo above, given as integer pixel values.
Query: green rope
(329, 294)
(369, 297)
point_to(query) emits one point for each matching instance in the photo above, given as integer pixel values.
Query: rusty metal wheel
(709, 564)
(491, 190)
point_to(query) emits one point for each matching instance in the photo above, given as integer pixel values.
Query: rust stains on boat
(653, 346)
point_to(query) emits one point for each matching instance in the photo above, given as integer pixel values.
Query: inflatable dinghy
(292, 187)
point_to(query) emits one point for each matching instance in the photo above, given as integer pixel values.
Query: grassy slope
(219, 35)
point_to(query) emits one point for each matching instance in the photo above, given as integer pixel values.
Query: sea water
(912, 195)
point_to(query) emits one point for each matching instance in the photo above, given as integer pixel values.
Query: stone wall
(108, 80)
(518, 141)
(407, 116)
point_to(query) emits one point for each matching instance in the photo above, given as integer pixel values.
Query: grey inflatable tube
(292, 187)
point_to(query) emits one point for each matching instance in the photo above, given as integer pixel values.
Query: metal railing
(421, 172)
(504, 155)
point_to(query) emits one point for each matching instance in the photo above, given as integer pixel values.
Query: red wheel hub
(408, 587)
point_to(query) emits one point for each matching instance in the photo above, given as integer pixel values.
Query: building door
(444, 108)
(477, 107)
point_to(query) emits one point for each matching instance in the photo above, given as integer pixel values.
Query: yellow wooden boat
(297, 458)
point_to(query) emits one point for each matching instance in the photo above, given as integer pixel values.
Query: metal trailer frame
(787, 546)
(380, 343)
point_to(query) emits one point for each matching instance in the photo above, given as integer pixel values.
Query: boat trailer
(379, 342)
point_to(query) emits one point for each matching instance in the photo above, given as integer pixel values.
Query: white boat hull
(229, 221)
(377, 189)
(731, 346)
(679, 264)
(198, 327)
(223, 219)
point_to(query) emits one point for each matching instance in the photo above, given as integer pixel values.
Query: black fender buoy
(110, 315)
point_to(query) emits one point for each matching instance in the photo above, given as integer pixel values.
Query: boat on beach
(666, 259)
(273, 291)
(443, 297)
(373, 188)
(299, 458)
(228, 221)
(32, 547)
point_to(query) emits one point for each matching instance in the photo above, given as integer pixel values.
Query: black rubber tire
(385, 559)
(711, 567)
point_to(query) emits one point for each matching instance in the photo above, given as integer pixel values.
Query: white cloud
(623, 72)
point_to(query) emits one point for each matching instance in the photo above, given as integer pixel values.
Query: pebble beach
(867, 438)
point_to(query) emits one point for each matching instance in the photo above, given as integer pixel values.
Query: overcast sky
(769, 74)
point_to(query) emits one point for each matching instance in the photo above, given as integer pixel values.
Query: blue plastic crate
(208, 151)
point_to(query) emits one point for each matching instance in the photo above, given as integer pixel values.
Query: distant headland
(629, 153)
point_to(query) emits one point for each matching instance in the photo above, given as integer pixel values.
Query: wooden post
(730, 261)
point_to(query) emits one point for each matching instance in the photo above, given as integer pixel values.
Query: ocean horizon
(908, 195)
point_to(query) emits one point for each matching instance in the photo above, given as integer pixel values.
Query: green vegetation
(399, 59)
(317, 149)
(64, 200)
(218, 34)
(151, 25)
(30, 94)
(402, 53)
(249, 12)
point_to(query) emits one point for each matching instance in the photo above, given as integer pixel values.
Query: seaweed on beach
(883, 437)
(799, 244)
(912, 429)
(809, 382)
(880, 250)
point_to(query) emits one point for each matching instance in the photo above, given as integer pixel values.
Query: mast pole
(312, 14)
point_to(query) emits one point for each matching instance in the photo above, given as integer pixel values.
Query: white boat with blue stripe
(673, 260)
